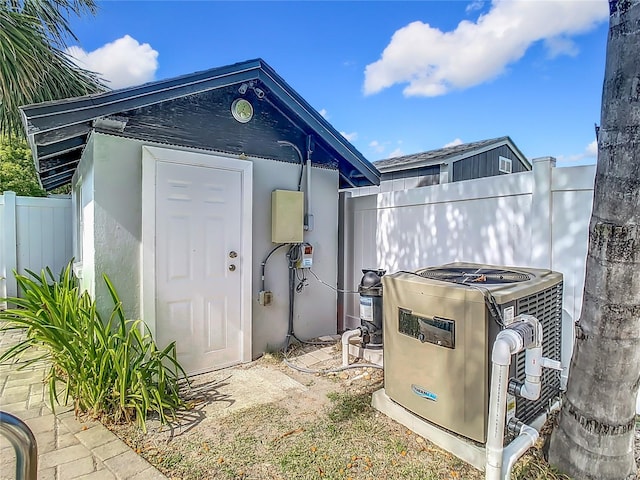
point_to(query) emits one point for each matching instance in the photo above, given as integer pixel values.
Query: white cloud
(474, 5)
(434, 62)
(122, 63)
(557, 46)
(453, 143)
(350, 136)
(376, 146)
(396, 153)
(589, 155)
(324, 113)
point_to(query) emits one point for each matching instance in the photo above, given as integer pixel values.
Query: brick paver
(67, 449)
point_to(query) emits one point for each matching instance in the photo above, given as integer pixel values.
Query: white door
(201, 259)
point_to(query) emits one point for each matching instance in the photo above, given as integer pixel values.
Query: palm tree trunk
(595, 432)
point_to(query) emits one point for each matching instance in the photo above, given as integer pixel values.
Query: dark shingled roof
(442, 155)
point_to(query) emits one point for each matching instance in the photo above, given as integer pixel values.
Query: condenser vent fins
(474, 276)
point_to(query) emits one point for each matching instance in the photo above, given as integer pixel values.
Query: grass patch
(345, 441)
(348, 439)
(534, 467)
(346, 406)
(262, 443)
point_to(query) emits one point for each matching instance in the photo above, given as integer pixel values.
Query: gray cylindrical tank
(370, 290)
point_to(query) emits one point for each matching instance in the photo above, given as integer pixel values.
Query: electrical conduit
(308, 216)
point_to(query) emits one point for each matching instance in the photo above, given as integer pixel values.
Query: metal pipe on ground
(24, 444)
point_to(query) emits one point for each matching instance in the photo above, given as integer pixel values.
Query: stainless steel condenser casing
(438, 338)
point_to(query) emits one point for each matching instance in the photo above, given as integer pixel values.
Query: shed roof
(447, 155)
(58, 131)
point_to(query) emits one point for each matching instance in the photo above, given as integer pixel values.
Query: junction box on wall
(287, 216)
(305, 260)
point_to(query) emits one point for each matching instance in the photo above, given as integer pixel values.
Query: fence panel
(36, 233)
(535, 219)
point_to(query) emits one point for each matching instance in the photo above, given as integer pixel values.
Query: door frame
(150, 157)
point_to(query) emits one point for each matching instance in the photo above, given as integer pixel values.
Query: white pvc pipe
(526, 439)
(533, 374)
(497, 408)
(346, 336)
(507, 343)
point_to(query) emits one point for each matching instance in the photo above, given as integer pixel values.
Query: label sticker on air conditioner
(421, 392)
(366, 309)
(508, 315)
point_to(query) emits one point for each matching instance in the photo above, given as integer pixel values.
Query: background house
(485, 158)
(172, 191)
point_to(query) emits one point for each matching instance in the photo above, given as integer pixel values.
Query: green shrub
(111, 369)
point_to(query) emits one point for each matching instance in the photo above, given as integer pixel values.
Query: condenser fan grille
(474, 276)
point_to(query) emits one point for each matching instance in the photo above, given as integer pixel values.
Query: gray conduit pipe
(308, 215)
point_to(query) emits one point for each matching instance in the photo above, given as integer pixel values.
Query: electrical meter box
(287, 216)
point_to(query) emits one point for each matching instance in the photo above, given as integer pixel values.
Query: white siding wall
(35, 233)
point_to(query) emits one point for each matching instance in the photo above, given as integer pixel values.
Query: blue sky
(395, 77)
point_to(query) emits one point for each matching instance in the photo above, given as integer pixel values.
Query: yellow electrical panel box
(287, 216)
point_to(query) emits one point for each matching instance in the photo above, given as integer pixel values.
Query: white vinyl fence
(535, 219)
(34, 233)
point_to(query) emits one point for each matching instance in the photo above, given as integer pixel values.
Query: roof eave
(87, 108)
(40, 119)
(459, 156)
(319, 124)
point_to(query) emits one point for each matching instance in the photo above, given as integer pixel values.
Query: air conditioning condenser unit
(440, 324)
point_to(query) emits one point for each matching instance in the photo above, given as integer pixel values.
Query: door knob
(232, 254)
(232, 267)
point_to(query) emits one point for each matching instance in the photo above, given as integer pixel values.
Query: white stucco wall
(117, 224)
(83, 243)
(315, 307)
(116, 241)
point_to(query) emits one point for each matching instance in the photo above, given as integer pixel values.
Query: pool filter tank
(370, 290)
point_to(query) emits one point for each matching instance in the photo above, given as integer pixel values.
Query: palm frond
(32, 68)
(53, 14)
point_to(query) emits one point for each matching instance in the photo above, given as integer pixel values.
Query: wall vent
(504, 165)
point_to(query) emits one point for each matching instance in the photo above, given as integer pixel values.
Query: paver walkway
(67, 448)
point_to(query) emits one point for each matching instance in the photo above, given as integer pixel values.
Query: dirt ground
(309, 426)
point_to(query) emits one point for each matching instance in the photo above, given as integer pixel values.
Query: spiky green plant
(111, 369)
